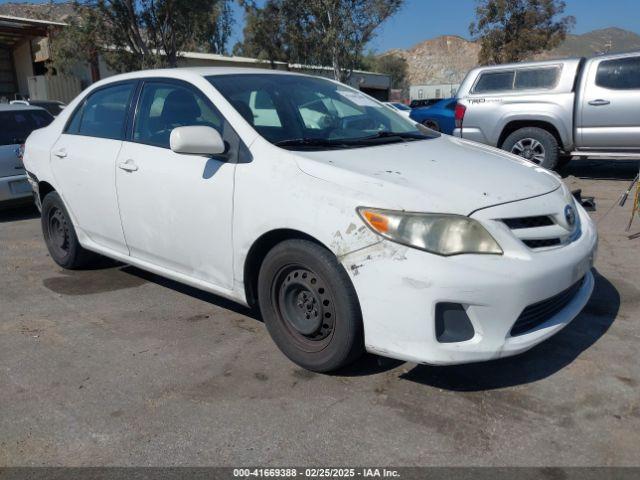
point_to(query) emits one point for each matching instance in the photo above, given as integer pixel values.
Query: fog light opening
(452, 323)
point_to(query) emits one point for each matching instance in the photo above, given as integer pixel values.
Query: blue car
(439, 116)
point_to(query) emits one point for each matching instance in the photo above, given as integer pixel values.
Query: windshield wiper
(349, 142)
(388, 134)
(311, 142)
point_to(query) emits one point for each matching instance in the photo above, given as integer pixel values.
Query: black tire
(310, 307)
(563, 161)
(534, 144)
(60, 236)
(432, 124)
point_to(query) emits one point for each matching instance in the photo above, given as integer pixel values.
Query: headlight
(433, 232)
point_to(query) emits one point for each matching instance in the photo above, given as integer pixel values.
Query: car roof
(188, 73)
(9, 107)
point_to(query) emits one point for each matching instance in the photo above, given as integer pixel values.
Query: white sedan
(351, 229)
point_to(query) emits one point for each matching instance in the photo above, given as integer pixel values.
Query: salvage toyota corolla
(349, 226)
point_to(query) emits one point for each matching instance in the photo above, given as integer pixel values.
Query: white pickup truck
(551, 111)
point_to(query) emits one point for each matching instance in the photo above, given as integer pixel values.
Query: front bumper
(399, 287)
(15, 188)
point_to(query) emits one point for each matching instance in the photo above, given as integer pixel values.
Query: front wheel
(534, 144)
(309, 306)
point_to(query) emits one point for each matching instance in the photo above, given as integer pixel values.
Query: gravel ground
(115, 366)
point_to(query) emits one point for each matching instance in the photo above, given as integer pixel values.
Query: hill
(447, 59)
(40, 11)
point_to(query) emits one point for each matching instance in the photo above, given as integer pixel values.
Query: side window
(536, 78)
(619, 74)
(103, 113)
(164, 106)
(494, 82)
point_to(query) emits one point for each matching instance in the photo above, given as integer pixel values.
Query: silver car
(549, 111)
(17, 122)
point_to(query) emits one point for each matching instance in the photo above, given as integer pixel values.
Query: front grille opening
(528, 222)
(538, 313)
(541, 243)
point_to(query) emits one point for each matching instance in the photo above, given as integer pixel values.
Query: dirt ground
(115, 366)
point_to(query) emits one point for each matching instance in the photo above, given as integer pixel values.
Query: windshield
(299, 112)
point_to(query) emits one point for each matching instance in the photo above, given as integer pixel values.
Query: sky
(423, 19)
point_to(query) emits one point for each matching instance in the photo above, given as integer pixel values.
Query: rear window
(619, 74)
(17, 125)
(51, 107)
(494, 82)
(522, 79)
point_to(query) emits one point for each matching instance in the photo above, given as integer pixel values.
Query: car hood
(443, 175)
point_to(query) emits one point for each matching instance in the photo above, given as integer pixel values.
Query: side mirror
(197, 140)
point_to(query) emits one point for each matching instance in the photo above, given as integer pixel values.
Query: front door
(176, 209)
(609, 116)
(83, 161)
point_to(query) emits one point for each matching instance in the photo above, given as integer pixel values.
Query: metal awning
(15, 29)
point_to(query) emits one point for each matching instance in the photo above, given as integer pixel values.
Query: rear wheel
(534, 144)
(310, 306)
(60, 236)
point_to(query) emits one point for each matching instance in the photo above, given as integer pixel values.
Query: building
(440, 90)
(24, 50)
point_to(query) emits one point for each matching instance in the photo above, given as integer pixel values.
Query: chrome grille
(540, 231)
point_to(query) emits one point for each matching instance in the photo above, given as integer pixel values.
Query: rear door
(84, 158)
(609, 113)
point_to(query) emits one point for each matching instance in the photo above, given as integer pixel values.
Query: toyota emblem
(570, 215)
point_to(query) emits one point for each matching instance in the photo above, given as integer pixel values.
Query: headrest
(180, 108)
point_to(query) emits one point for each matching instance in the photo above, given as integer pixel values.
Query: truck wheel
(563, 161)
(309, 306)
(534, 144)
(60, 236)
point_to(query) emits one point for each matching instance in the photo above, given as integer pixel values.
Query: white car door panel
(176, 209)
(84, 169)
(83, 164)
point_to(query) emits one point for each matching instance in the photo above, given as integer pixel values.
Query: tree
(395, 66)
(264, 32)
(512, 30)
(315, 32)
(78, 43)
(137, 34)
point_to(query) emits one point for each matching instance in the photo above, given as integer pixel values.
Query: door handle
(128, 166)
(599, 102)
(60, 153)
